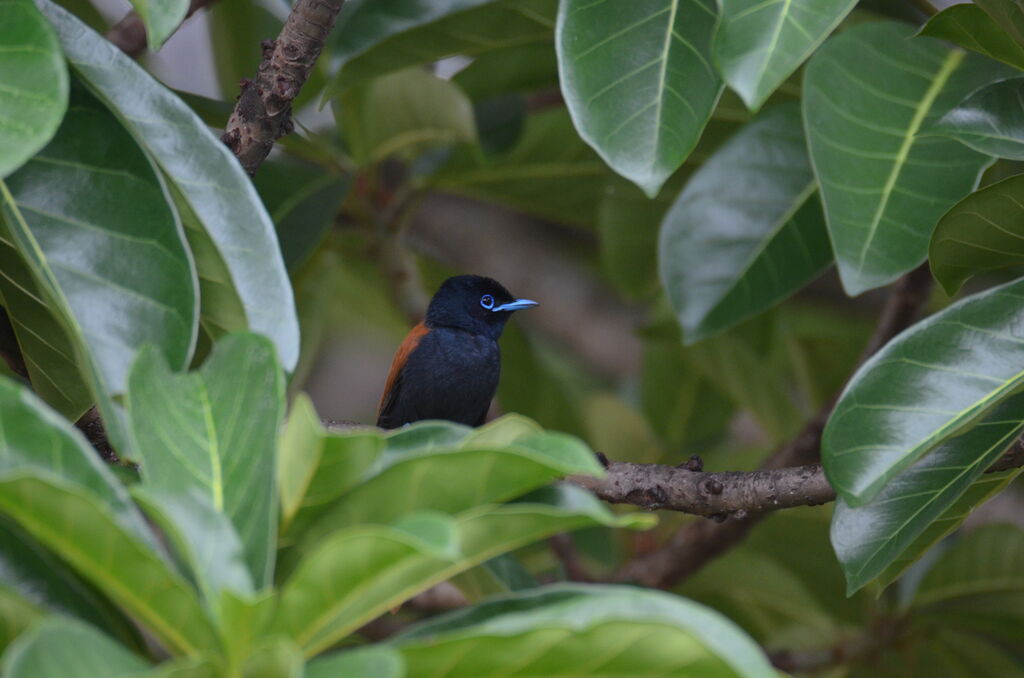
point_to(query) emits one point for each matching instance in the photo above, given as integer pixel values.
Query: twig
(130, 33)
(565, 550)
(263, 112)
(696, 544)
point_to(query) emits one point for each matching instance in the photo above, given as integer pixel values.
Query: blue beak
(516, 305)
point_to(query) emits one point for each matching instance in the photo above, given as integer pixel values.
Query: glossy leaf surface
(990, 120)
(926, 499)
(760, 44)
(931, 382)
(577, 630)
(373, 39)
(239, 251)
(747, 231)
(967, 25)
(982, 232)
(34, 82)
(643, 115)
(215, 431)
(868, 92)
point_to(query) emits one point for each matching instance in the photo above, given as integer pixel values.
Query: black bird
(448, 366)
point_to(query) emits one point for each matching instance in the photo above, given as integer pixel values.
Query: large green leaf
(419, 478)
(374, 38)
(378, 661)
(1008, 14)
(34, 583)
(303, 201)
(990, 120)
(759, 44)
(75, 524)
(34, 438)
(967, 25)
(550, 172)
(370, 569)
(990, 560)
(238, 230)
(982, 232)
(64, 648)
(202, 537)
(161, 18)
(642, 114)
(404, 112)
(747, 231)
(577, 630)
(924, 502)
(868, 92)
(69, 199)
(519, 69)
(931, 382)
(215, 431)
(46, 348)
(34, 82)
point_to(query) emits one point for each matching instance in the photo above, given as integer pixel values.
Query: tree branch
(696, 544)
(263, 112)
(130, 33)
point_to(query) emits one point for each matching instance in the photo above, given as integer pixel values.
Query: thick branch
(263, 112)
(130, 33)
(696, 544)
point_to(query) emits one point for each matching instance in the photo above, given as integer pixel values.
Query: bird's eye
(487, 301)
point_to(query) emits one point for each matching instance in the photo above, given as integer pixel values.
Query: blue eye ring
(487, 301)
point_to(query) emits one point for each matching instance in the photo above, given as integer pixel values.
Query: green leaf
(379, 661)
(980, 491)
(34, 583)
(237, 27)
(551, 172)
(34, 81)
(642, 114)
(969, 26)
(989, 560)
(64, 648)
(73, 523)
(982, 232)
(47, 349)
(747, 231)
(924, 502)
(372, 39)
(202, 537)
(204, 172)
(760, 44)
(512, 70)
(35, 439)
(868, 92)
(161, 18)
(215, 431)
(370, 569)
(275, 658)
(302, 201)
(72, 192)
(990, 120)
(931, 382)
(405, 113)
(577, 630)
(1006, 13)
(420, 479)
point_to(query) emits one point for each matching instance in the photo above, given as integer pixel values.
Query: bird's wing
(394, 382)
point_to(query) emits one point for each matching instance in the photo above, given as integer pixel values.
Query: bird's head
(475, 304)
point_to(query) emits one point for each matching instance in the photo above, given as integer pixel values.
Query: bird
(449, 364)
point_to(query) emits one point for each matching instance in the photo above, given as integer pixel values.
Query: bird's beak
(516, 305)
